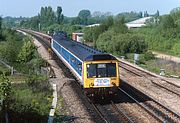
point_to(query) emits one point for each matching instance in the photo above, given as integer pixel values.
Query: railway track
(167, 85)
(112, 113)
(160, 112)
(109, 112)
(103, 111)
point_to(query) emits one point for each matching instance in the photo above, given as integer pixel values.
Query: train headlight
(113, 83)
(91, 84)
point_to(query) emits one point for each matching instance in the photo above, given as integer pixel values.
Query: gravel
(143, 84)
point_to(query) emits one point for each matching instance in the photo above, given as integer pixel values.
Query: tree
(119, 26)
(76, 20)
(129, 16)
(0, 23)
(47, 16)
(27, 52)
(59, 15)
(43, 12)
(109, 22)
(157, 13)
(8, 50)
(34, 23)
(84, 15)
(97, 14)
(5, 87)
(168, 22)
(140, 14)
(137, 44)
(5, 91)
(146, 14)
(88, 34)
(0, 27)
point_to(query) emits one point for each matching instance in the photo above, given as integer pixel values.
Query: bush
(6, 72)
(38, 82)
(27, 106)
(149, 56)
(121, 44)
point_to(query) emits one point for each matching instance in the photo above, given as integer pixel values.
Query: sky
(29, 8)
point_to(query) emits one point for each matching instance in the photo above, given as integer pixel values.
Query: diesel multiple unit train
(97, 72)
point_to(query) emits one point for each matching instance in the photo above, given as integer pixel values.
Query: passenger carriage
(97, 72)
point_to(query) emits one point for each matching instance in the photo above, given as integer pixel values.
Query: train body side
(71, 61)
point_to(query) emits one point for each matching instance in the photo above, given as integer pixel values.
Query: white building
(138, 23)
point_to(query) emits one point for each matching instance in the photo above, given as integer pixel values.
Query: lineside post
(50, 53)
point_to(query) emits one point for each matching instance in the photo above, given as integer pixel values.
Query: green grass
(18, 79)
(28, 104)
(171, 68)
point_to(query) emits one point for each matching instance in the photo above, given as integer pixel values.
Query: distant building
(77, 37)
(138, 23)
(93, 25)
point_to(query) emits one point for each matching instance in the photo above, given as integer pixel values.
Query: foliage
(60, 16)
(84, 15)
(28, 105)
(88, 34)
(45, 18)
(27, 51)
(5, 87)
(130, 16)
(164, 34)
(0, 28)
(12, 22)
(119, 26)
(5, 93)
(4, 70)
(149, 56)
(167, 22)
(91, 34)
(10, 47)
(38, 82)
(176, 49)
(69, 29)
(121, 44)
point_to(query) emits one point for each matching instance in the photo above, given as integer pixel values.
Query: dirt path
(167, 57)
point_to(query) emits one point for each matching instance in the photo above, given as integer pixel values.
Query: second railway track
(171, 87)
(155, 108)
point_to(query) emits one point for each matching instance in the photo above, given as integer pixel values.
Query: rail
(147, 72)
(162, 111)
(138, 74)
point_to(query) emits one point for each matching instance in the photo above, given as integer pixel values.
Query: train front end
(101, 75)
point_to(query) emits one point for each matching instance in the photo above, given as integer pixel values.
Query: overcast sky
(29, 8)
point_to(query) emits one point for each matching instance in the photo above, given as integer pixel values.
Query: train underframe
(103, 91)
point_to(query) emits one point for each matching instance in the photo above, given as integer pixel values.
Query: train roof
(82, 51)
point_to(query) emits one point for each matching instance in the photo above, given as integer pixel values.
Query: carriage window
(79, 66)
(91, 70)
(101, 70)
(73, 60)
(111, 69)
